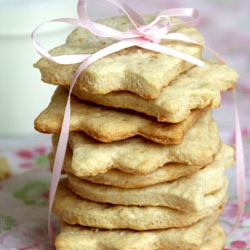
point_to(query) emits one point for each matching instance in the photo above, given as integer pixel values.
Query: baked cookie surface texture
(144, 167)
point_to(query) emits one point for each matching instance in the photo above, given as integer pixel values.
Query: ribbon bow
(146, 36)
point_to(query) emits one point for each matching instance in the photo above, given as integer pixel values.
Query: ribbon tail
(240, 168)
(64, 135)
(57, 167)
(184, 38)
(171, 52)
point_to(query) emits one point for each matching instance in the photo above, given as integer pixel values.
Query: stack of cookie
(145, 165)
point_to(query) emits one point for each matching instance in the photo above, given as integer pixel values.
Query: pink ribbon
(240, 168)
(147, 36)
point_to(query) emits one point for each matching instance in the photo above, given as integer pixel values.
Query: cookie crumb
(4, 168)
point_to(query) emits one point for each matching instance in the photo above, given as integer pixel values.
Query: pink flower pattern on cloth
(24, 196)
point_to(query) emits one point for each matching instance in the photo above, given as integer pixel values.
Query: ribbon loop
(150, 34)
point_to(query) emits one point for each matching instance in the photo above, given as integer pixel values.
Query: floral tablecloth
(24, 196)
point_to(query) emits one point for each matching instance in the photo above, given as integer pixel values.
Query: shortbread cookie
(140, 156)
(198, 88)
(138, 70)
(108, 124)
(204, 235)
(168, 172)
(185, 194)
(115, 177)
(4, 168)
(73, 209)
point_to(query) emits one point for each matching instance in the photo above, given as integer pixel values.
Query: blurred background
(224, 24)
(22, 95)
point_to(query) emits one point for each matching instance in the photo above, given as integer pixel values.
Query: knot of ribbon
(143, 35)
